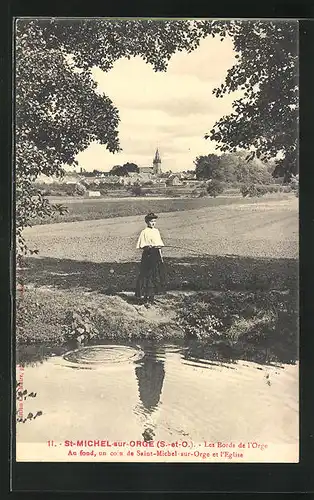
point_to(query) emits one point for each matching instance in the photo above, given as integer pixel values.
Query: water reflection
(35, 354)
(192, 350)
(150, 374)
(209, 352)
(167, 394)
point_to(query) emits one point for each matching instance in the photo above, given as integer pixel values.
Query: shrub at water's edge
(259, 326)
(56, 318)
(255, 325)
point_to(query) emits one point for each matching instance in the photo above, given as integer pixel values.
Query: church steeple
(157, 163)
(157, 156)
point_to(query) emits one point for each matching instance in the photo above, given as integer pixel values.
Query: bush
(253, 190)
(136, 190)
(285, 189)
(272, 189)
(79, 326)
(214, 188)
(80, 190)
(46, 192)
(294, 184)
(261, 190)
(260, 326)
(195, 192)
(74, 189)
(202, 193)
(172, 193)
(196, 321)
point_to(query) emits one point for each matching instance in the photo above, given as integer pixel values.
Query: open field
(268, 228)
(80, 209)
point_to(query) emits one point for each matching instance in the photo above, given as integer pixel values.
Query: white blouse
(150, 236)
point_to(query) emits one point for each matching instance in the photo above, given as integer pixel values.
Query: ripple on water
(103, 355)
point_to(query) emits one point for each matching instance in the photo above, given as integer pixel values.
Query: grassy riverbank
(254, 325)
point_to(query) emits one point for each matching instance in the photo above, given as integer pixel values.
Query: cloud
(181, 107)
(209, 63)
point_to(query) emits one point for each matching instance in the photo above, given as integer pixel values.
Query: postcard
(156, 206)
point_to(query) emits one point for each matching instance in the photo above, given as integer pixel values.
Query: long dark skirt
(151, 279)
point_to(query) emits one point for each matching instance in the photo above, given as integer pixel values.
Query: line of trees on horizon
(118, 170)
(124, 170)
(227, 168)
(234, 167)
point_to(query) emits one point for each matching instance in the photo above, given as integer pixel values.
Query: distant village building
(67, 179)
(112, 179)
(174, 180)
(187, 177)
(137, 178)
(155, 169)
(145, 170)
(93, 194)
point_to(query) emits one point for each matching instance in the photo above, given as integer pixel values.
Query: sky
(170, 110)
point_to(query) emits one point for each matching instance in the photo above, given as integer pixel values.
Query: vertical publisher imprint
(20, 390)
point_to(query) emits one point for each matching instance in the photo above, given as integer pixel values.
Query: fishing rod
(196, 251)
(184, 248)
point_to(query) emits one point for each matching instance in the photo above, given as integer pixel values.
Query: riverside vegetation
(247, 315)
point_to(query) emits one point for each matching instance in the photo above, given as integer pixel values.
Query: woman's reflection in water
(150, 374)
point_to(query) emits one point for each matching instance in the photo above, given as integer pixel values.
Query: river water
(153, 392)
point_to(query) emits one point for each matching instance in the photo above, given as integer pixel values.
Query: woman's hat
(150, 216)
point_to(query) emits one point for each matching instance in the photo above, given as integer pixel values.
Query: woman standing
(151, 278)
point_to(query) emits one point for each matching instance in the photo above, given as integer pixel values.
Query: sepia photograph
(156, 191)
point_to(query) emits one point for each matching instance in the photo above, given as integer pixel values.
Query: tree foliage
(208, 167)
(214, 188)
(124, 170)
(136, 189)
(119, 170)
(59, 110)
(232, 167)
(131, 167)
(265, 118)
